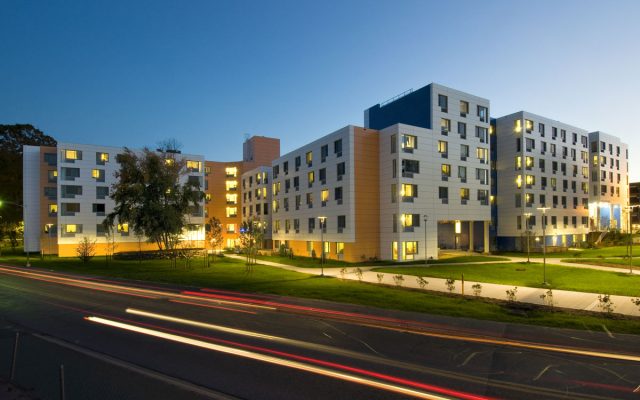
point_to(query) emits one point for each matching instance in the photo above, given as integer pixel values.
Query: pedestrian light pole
(630, 211)
(426, 256)
(544, 244)
(322, 222)
(526, 224)
(24, 237)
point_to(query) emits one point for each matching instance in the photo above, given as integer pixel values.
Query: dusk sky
(209, 72)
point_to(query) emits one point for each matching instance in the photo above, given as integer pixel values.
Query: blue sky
(208, 72)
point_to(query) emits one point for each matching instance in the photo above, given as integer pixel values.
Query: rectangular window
(232, 212)
(393, 143)
(443, 103)
(409, 143)
(462, 173)
(310, 178)
(340, 248)
(528, 125)
(98, 208)
(462, 130)
(483, 114)
(445, 169)
(337, 194)
(341, 170)
(445, 126)
(70, 191)
(337, 148)
(194, 166)
(443, 194)
(464, 195)
(410, 250)
(102, 192)
(410, 167)
(102, 158)
(72, 155)
(53, 210)
(324, 197)
(464, 152)
(98, 175)
(310, 200)
(464, 108)
(408, 191)
(232, 198)
(298, 162)
(323, 175)
(309, 158)
(231, 185)
(443, 148)
(324, 153)
(342, 223)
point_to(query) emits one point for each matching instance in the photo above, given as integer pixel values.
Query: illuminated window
(123, 228)
(409, 142)
(104, 157)
(53, 209)
(464, 194)
(528, 125)
(71, 228)
(232, 212)
(231, 228)
(275, 205)
(443, 147)
(311, 177)
(98, 175)
(445, 125)
(446, 170)
(309, 158)
(231, 172)
(276, 188)
(517, 126)
(530, 180)
(410, 250)
(193, 166)
(340, 248)
(529, 162)
(518, 162)
(406, 220)
(407, 190)
(231, 185)
(464, 108)
(169, 161)
(519, 181)
(482, 154)
(232, 198)
(264, 192)
(71, 155)
(207, 197)
(324, 195)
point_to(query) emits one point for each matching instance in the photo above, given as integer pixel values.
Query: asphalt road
(131, 340)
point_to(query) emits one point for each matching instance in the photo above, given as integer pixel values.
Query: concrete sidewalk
(561, 298)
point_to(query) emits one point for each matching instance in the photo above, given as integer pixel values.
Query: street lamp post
(544, 244)
(630, 211)
(24, 237)
(526, 224)
(322, 222)
(426, 256)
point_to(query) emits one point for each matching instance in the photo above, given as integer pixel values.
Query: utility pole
(544, 244)
(526, 222)
(426, 256)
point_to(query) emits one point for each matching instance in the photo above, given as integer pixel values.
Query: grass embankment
(605, 252)
(231, 274)
(308, 262)
(531, 275)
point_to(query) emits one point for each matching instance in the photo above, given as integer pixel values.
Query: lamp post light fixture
(630, 211)
(322, 222)
(24, 237)
(426, 255)
(528, 231)
(544, 244)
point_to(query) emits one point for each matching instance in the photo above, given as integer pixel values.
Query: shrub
(451, 284)
(636, 302)
(605, 303)
(359, 273)
(380, 277)
(343, 272)
(422, 282)
(511, 294)
(547, 298)
(398, 279)
(477, 289)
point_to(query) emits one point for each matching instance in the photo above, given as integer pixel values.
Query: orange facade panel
(224, 197)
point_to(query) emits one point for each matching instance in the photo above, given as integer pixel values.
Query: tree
(151, 198)
(12, 139)
(251, 235)
(86, 249)
(214, 234)
(111, 245)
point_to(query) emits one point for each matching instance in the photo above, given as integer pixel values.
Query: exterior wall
(634, 200)
(256, 199)
(366, 153)
(609, 182)
(259, 151)
(32, 196)
(284, 169)
(216, 198)
(77, 216)
(571, 220)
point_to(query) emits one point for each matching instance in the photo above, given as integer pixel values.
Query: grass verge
(231, 274)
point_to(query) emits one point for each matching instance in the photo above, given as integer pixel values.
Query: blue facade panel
(412, 109)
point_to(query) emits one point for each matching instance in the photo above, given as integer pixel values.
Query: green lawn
(307, 262)
(613, 251)
(230, 274)
(523, 274)
(618, 262)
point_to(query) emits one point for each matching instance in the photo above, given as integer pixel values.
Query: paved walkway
(561, 298)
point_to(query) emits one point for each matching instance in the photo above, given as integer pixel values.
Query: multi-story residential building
(69, 187)
(434, 172)
(224, 194)
(634, 200)
(256, 200)
(541, 163)
(328, 191)
(609, 182)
